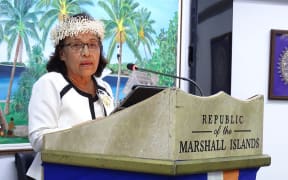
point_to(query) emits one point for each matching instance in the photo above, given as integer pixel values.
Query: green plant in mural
(36, 68)
(57, 9)
(145, 30)
(120, 28)
(19, 21)
(164, 58)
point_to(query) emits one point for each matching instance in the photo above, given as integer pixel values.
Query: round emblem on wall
(283, 66)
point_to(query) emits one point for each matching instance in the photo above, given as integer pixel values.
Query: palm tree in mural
(120, 28)
(19, 28)
(145, 30)
(57, 10)
(36, 67)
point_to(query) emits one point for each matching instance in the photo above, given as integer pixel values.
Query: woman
(71, 92)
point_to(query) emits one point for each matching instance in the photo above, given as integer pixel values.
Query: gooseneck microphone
(133, 67)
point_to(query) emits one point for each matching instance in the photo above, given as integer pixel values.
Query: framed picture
(278, 72)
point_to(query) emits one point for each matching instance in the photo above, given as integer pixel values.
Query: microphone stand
(182, 78)
(118, 76)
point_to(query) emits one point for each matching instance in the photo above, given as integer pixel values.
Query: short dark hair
(55, 64)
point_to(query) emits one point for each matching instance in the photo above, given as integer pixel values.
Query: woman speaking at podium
(72, 90)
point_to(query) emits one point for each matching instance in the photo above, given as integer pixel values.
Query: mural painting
(148, 39)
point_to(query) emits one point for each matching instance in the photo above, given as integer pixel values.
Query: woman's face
(81, 55)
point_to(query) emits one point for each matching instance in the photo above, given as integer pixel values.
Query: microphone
(133, 67)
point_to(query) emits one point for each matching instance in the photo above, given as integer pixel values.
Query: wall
(252, 21)
(7, 166)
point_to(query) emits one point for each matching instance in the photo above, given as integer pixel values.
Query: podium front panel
(54, 171)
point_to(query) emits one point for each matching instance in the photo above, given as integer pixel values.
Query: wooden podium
(171, 135)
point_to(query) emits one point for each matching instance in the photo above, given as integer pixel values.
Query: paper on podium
(171, 125)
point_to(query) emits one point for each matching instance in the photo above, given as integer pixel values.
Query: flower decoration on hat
(72, 26)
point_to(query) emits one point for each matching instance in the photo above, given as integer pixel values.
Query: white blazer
(57, 104)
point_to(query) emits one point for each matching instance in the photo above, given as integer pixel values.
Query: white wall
(7, 168)
(7, 161)
(252, 21)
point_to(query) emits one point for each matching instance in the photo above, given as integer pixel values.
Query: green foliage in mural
(36, 67)
(144, 24)
(120, 27)
(164, 57)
